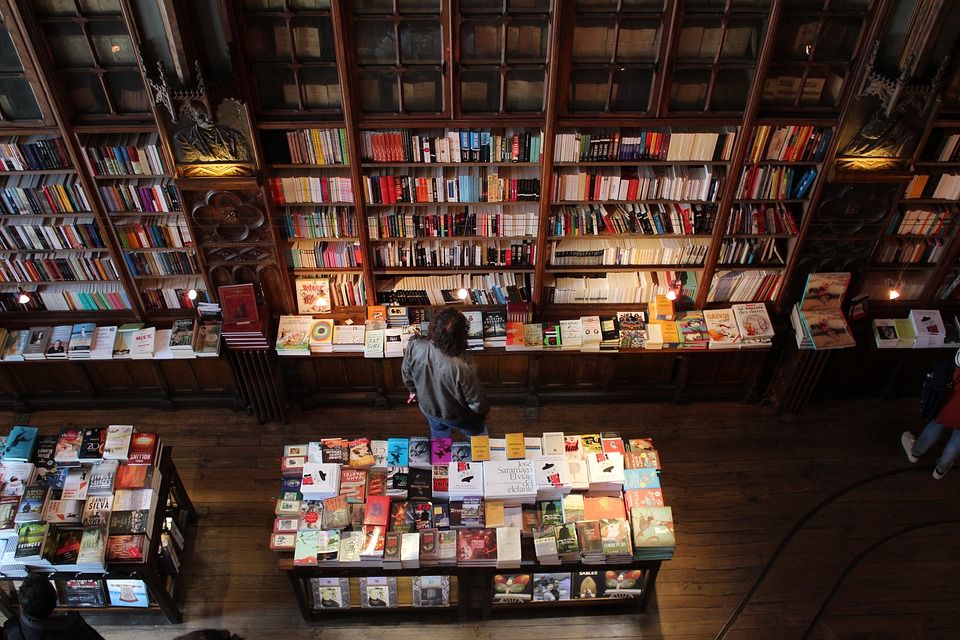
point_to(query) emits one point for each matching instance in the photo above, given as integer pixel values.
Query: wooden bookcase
(160, 577)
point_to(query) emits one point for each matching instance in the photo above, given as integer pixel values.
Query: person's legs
(474, 427)
(950, 453)
(438, 428)
(928, 437)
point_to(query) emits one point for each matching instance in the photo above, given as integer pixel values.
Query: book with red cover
(126, 547)
(476, 545)
(353, 484)
(143, 448)
(644, 497)
(238, 302)
(377, 483)
(602, 508)
(377, 511)
(134, 476)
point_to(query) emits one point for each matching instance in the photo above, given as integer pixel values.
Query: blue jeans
(931, 433)
(440, 428)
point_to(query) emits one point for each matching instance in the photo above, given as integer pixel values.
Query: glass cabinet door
(18, 102)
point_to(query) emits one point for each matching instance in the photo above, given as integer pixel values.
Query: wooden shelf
(308, 166)
(444, 165)
(158, 249)
(316, 270)
(46, 216)
(137, 214)
(621, 268)
(511, 203)
(759, 235)
(46, 282)
(798, 163)
(651, 201)
(38, 172)
(167, 276)
(642, 163)
(293, 205)
(448, 271)
(643, 236)
(54, 251)
(340, 239)
(131, 176)
(750, 267)
(769, 200)
(455, 238)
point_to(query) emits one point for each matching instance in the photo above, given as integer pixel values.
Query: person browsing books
(947, 417)
(442, 377)
(36, 621)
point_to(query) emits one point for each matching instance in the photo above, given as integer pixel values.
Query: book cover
(33, 503)
(398, 452)
(361, 455)
(753, 321)
(512, 588)
(377, 511)
(516, 447)
(824, 291)
(59, 340)
(143, 447)
(238, 303)
(313, 295)
(431, 591)
(551, 587)
(293, 334)
(81, 593)
(92, 445)
(93, 546)
(418, 452)
(480, 448)
(68, 445)
(494, 328)
(30, 539)
(353, 484)
(440, 451)
(321, 335)
(128, 592)
(117, 443)
(67, 546)
(77, 484)
(97, 511)
(378, 592)
(20, 444)
(330, 593)
(623, 583)
(633, 329)
(64, 512)
(587, 584)
(722, 328)
(828, 328)
(477, 545)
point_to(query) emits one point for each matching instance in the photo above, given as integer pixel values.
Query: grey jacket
(447, 388)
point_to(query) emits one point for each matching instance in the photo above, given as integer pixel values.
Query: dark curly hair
(448, 331)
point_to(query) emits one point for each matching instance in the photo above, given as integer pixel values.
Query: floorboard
(826, 486)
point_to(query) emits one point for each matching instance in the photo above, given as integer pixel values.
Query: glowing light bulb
(671, 294)
(24, 298)
(462, 293)
(893, 294)
(192, 294)
(115, 48)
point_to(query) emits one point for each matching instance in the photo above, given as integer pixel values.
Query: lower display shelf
(468, 593)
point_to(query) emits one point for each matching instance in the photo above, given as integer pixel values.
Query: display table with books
(497, 524)
(101, 511)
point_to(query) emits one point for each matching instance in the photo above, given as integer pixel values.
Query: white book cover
(320, 478)
(465, 478)
(373, 343)
(315, 452)
(379, 450)
(508, 547)
(590, 333)
(117, 443)
(102, 477)
(103, 342)
(722, 328)
(753, 321)
(552, 471)
(570, 334)
(509, 478)
(161, 345)
(133, 499)
(76, 484)
(141, 344)
(605, 468)
(552, 443)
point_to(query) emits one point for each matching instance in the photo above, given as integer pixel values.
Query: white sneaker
(937, 475)
(907, 440)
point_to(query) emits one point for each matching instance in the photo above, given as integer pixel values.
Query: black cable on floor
(857, 560)
(793, 531)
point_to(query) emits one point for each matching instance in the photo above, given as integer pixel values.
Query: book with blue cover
(127, 593)
(398, 452)
(20, 444)
(640, 479)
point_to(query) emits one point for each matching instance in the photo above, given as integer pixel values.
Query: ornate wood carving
(232, 231)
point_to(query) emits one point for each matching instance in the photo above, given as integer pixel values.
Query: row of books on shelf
(674, 218)
(33, 153)
(320, 294)
(751, 251)
(308, 254)
(818, 319)
(323, 222)
(380, 592)
(95, 592)
(125, 154)
(775, 218)
(945, 186)
(412, 502)
(791, 143)
(78, 501)
(186, 338)
(644, 145)
(45, 267)
(170, 263)
(475, 184)
(756, 285)
(143, 235)
(318, 146)
(901, 251)
(618, 287)
(921, 329)
(451, 223)
(145, 196)
(923, 222)
(43, 195)
(164, 293)
(311, 189)
(639, 183)
(763, 182)
(452, 146)
(104, 296)
(949, 149)
(619, 252)
(483, 289)
(50, 237)
(466, 253)
(507, 588)
(744, 325)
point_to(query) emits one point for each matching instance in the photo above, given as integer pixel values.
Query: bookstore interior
(252, 205)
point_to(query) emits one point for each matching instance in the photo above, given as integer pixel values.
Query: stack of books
(929, 328)
(605, 472)
(245, 323)
(512, 481)
(465, 479)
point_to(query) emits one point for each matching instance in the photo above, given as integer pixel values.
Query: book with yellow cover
(669, 331)
(480, 448)
(493, 513)
(516, 446)
(661, 308)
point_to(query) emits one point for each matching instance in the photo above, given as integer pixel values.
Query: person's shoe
(907, 440)
(937, 474)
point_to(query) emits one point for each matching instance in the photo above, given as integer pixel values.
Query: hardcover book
(512, 588)
(127, 592)
(431, 591)
(238, 303)
(117, 443)
(551, 587)
(81, 593)
(92, 445)
(127, 547)
(20, 444)
(378, 592)
(68, 445)
(313, 295)
(330, 593)
(143, 448)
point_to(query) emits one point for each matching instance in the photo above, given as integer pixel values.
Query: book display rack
(104, 515)
(409, 525)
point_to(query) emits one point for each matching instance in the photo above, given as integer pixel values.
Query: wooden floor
(826, 502)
